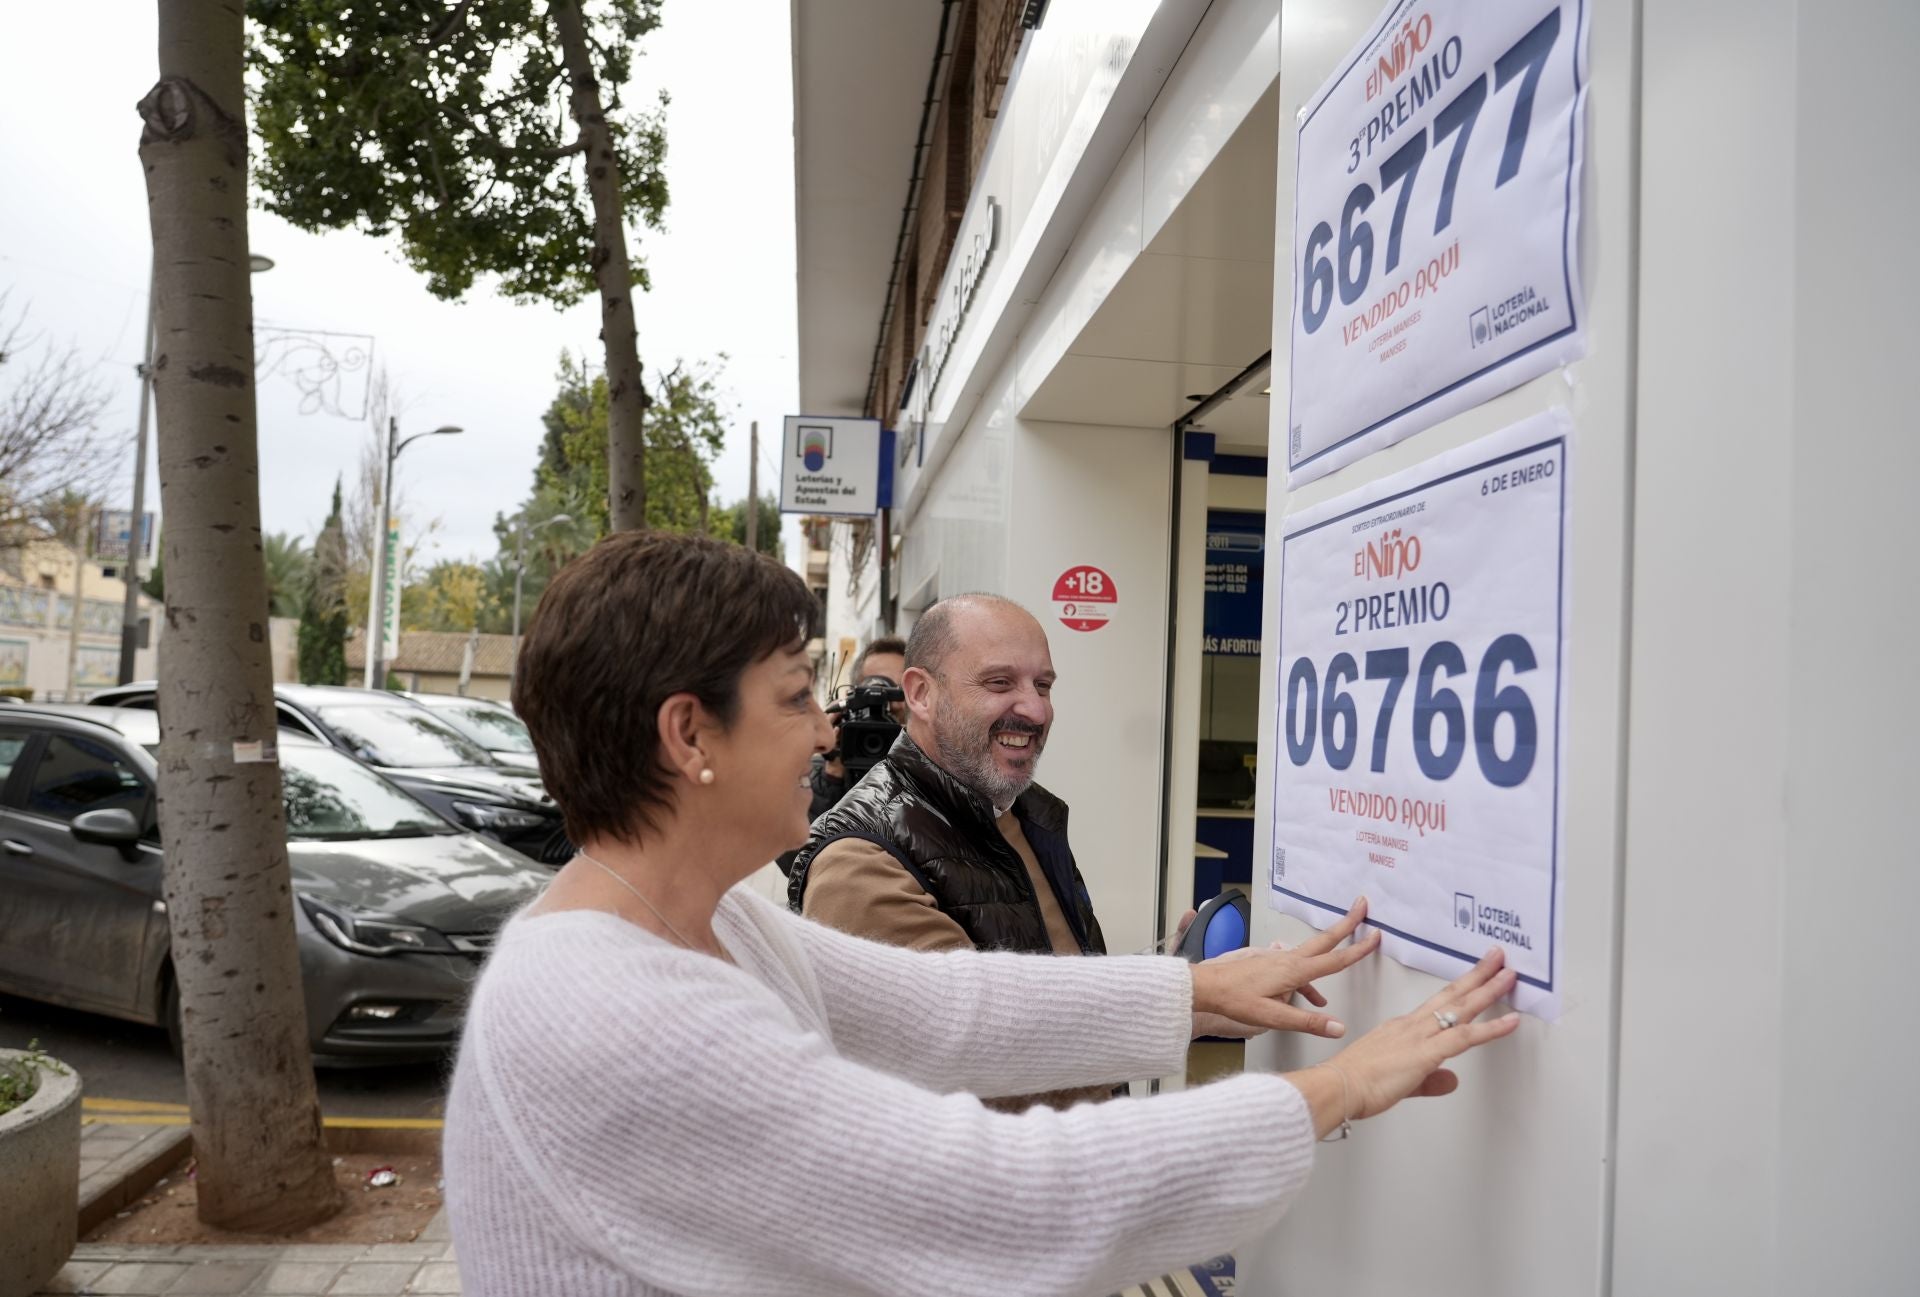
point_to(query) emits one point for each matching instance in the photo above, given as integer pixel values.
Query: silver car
(397, 907)
(491, 724)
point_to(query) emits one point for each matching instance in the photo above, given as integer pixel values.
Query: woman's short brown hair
(636, 619)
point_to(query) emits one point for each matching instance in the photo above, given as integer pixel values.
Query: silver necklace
(651, 908)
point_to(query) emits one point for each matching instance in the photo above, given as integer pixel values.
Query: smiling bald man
(948, 843)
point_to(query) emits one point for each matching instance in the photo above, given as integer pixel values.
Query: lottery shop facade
(1056, 286)
(1046, 256)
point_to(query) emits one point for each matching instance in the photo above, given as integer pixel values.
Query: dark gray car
(416, 749)
(396, 906)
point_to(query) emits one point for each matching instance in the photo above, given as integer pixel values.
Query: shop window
(1230, 669)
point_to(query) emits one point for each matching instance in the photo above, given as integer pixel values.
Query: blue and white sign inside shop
(1235, 583)
(1436, 223)
(1420, 684)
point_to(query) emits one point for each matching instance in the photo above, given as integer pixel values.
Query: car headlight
(490, 815)
(371, 934)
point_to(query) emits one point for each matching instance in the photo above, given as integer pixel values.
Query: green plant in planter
(20, 1077)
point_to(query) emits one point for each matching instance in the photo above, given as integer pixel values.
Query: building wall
(36, 619)
(499, 688)
(1771, 751)
(1014, 507)
(1724, 1105)
(985, 42)
(853, 597)
(1083, 494)
(1115, 114)
(1506, 1187)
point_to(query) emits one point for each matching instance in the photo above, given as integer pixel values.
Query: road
(125, 1061)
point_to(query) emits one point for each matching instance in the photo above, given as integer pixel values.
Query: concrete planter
(40, 1188)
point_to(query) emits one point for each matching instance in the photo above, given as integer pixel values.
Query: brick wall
(985, 40)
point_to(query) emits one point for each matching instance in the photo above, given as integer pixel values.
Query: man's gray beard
(966, 753)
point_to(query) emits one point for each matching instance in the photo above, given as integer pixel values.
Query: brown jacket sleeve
(856, 886)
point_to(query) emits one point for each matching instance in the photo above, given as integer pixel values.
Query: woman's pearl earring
(706, 776)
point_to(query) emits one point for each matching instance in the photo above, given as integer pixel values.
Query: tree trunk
(256, 1118)
(626, 398)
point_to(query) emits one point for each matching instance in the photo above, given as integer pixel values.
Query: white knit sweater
(631, 1118)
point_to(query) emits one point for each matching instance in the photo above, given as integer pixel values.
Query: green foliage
(686, 430)
(20, 1077)
(453, 596)
(323, 620)
(287, 561)
(729, 522)
(448, 125)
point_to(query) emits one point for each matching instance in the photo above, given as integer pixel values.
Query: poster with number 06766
(1435, 234)
(1418, 734)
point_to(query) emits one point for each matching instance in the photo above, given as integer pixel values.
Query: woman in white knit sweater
(669, 1086)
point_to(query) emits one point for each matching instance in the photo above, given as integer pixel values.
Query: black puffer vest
(942, 832)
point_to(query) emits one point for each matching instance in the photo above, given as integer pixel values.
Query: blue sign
(1236, 575)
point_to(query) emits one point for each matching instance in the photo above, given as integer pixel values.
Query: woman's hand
(1403, 1056)
(1251, 987)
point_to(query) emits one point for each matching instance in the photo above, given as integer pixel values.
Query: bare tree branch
(51, 448)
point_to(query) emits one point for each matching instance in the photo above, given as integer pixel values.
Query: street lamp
(520, 571)
(136, 533)
(385, 543)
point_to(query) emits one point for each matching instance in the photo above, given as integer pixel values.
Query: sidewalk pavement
(119, 1161)
(290, 1270)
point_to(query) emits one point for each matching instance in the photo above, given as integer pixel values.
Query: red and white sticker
(1084, 598)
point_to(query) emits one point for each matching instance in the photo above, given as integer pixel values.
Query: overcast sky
(74, 245)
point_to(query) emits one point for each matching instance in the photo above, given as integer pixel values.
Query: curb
(131, 1174)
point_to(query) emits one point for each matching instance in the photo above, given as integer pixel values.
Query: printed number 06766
(1328, 715)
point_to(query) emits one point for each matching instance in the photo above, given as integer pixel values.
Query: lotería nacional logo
(1463, 911)
(814, 445)
(1489, 322)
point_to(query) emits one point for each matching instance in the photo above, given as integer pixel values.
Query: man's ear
(918, 685)
(684, 725)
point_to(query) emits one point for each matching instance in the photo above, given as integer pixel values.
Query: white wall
(1505, 1187)
(1013, 507)
(1768, 1121)
(1727, 1105)
(1084, 494)
(853, 600)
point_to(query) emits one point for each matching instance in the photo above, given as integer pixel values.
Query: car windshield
(404, 736)
(330, 797)
(492, 727)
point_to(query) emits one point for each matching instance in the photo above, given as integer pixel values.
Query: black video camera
(867, 727)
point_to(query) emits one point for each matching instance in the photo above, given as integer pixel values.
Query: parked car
(396, 907)
(490, 724)
(415, 748)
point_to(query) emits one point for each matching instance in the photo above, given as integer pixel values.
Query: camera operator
(874, 703)
(882, 661)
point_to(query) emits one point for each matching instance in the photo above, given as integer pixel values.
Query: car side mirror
(113, 827)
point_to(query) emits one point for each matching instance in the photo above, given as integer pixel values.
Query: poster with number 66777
(1419, 727)
(1435, 235)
